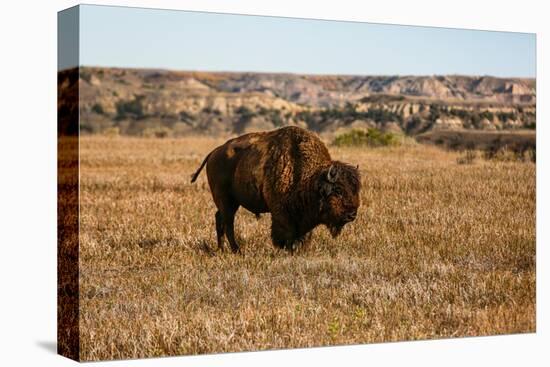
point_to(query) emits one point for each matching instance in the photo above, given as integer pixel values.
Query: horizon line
(292, 72)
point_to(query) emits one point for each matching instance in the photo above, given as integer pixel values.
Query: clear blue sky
(148, 38)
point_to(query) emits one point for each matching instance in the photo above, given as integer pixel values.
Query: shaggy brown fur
(287, 172)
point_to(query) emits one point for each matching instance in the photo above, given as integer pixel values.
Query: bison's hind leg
(227, 212)
(225, 216)
(220, 230)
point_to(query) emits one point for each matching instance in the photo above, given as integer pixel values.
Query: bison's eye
(338, 191)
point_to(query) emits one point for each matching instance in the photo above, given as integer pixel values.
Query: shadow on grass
(204, 248)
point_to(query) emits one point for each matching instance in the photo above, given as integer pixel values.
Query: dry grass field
(439, 249)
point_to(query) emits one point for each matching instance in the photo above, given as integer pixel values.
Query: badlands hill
(141, 101)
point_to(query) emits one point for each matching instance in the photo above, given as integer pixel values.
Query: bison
(287, 172)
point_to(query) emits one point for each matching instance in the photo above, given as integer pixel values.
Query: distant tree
(276, 119)
(130, 109)
(245, 115)
(85, 75)
(487, 115)
(435, 112)
(185, 116)
(262, 111)
(98, 108)
(475, 120)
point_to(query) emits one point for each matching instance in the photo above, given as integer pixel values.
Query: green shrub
(531, 125)
(245, 115)
(210, 110)
(185, 116)
(245, 112)
(98, 108)
(85, 75)
(131, 108)
(371, 137)
(530, 155)
(506, 154)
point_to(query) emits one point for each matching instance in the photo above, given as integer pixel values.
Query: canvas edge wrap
(68, 204)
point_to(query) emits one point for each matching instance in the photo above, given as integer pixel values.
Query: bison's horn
(332, 174)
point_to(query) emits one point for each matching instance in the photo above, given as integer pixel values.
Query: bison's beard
(335, 230)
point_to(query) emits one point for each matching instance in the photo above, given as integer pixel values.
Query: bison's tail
(196, 174)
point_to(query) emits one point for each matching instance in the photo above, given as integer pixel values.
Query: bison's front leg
(282, 233)
(305, 239)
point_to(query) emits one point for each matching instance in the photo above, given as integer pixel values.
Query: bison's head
(338, 187)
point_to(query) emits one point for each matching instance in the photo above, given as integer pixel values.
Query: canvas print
(234, 183)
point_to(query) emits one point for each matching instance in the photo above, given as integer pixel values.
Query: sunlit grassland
(438, 249)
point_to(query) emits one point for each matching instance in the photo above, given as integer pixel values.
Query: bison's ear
(332, 173)
(326, 182)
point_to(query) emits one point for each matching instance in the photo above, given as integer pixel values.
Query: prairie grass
(439, 249)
